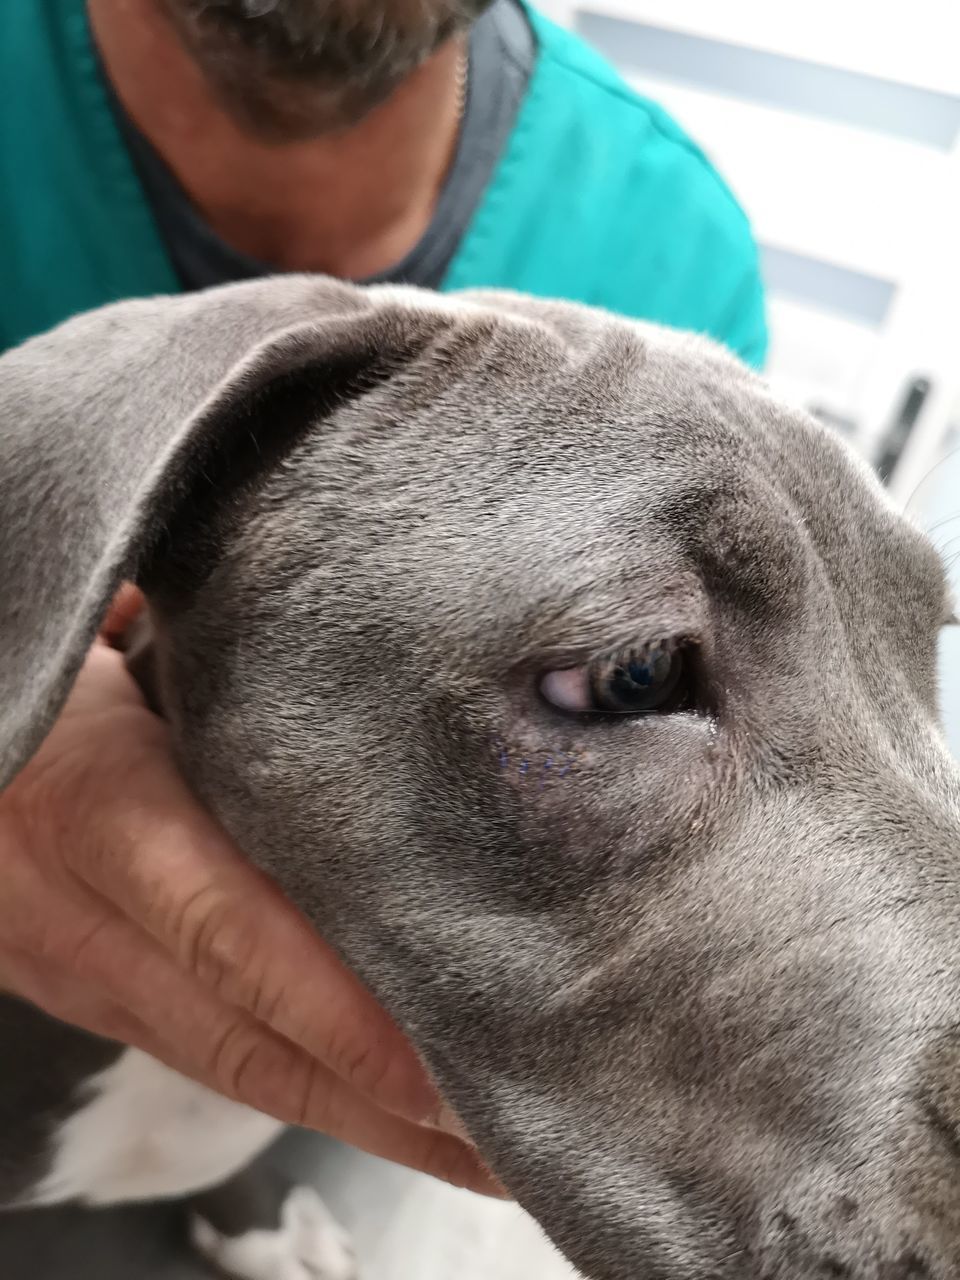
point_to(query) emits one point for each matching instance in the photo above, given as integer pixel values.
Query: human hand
(126, 910)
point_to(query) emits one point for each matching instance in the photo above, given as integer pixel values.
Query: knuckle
(250, 985)
(310, 1102)
(206, 941)
(80, 952)
(191, 921)
(365, 1065)
(68, 943)
(234, 1059)
(224, 956)
(249, 1066)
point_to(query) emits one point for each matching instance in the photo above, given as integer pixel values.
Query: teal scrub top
(599, 197)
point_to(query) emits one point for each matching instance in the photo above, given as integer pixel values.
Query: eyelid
(568, 689)
(566, 644)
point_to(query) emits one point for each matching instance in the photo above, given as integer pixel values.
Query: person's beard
(292, 69)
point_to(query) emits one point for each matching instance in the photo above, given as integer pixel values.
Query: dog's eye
(631, 682)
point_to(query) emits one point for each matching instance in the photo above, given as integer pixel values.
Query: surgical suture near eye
(535, 768)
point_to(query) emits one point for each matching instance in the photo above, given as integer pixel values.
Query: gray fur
(691, 980)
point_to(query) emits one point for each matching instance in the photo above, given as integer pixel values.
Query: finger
(305, 1093)
(95, 959)
(103, 953)
(227, 1053)
(348, 1116)
(172, 870)
(204, 1036)
(126, 606)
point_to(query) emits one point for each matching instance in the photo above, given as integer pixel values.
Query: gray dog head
(583, 697)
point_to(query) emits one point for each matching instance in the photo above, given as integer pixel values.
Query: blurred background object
(837, 123)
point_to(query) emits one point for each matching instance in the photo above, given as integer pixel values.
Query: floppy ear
(107, 422)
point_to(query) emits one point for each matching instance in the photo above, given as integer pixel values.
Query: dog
(582, 696)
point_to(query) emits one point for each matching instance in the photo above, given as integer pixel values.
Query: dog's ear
(108, 422)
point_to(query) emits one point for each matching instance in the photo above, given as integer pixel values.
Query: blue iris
(637, 680)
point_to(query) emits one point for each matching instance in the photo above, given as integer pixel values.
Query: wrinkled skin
(691, 980)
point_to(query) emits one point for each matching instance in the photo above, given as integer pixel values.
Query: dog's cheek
(609, 800)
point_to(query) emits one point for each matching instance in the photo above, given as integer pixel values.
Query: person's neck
(350, 204)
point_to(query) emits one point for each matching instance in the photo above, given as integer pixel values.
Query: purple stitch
(566, 768)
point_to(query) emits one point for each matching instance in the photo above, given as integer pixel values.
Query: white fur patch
(146, 1132)
(309, 1245)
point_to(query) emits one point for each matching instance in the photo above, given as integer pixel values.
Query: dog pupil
(635, 683)
(641, 673)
